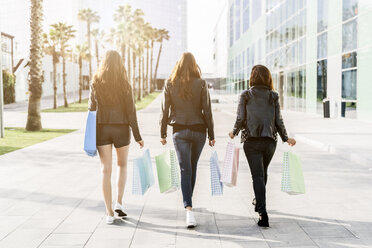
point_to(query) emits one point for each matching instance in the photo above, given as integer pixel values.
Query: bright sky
(202, 16)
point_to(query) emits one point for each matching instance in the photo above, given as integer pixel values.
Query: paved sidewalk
(46, 102)
(50, 197)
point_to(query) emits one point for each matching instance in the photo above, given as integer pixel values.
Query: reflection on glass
(322, 46)
(237, 19)
(349, 36)
(349, 84)
(322, 15)
(349, 60)
(231, 19)
(350, 9)
(245, 16)
(321, 80)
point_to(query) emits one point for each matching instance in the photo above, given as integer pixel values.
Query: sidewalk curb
(352, 157)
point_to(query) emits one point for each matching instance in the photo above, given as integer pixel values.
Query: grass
(83, 106)
(18, 138)
(72, 107)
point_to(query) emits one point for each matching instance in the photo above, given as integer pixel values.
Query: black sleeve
(241, 114)
(92, 104)
(207, 111)
(279, 123)
(132, 115)
(164, 114)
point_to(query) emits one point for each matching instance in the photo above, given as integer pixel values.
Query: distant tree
(163, 34)
(89, 16)
(98, 36)
(83, 54)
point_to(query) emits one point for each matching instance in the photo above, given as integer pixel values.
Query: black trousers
(259, 152)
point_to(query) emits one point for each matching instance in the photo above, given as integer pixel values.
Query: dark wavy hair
(185, 69)
(261, 75)
(110, 82)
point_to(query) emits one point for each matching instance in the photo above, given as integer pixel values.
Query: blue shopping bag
(216, 184)
(143, 177)
(90, 147)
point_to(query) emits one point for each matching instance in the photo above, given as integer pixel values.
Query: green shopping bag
(168, 171)
(292, 176)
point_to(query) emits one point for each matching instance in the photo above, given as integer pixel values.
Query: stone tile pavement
(50, 197)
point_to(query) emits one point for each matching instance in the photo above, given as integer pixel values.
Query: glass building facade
(317, 50)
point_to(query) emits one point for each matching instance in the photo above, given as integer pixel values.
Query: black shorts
(117, 134)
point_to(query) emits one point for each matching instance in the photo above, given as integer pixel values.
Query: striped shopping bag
(230, 165)
(292, 176)
(216, 184)
(143, 177)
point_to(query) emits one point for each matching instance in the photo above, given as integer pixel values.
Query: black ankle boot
(264, 220)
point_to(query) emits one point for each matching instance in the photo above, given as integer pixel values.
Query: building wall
(316, 50)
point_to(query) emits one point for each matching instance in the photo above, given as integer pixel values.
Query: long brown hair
(185, 69)
(260, 75)
(110, 82)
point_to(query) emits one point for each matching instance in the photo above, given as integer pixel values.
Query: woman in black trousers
(187, 108)
(260, 120)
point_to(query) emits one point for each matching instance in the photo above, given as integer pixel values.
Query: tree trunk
(80, 78)
(134, 74)
(147, 71)
(139, 79)
(152, 88)
(123, 48)
(144, 83)
(64, 80)
(90, 52)
(97, 53)
(128, 66)
(157, 63)
(36, 71)
(54, 82)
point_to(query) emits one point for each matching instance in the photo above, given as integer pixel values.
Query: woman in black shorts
(111, 96)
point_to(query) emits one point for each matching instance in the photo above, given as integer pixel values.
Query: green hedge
(8, 87)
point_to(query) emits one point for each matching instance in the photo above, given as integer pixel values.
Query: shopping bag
(168, 171)
(216, 184)
(149, 170)
(230, 165)
(90, 147)
(292, 176)
(143, 177)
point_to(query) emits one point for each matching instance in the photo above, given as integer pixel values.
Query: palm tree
(35, 73)
(89, 16)
(83, 54)
(147, 36)
(123, 17)
(98, 36)
(50, 47)
(163, 35)
(154, 35)
(64, 33)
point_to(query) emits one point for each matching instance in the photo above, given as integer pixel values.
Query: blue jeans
(189, 145)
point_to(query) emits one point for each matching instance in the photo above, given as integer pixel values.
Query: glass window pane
(321, 80)
(349, 60)
(349, 83)
(349, 36)
(231, 19)
(256, 10)
(322, 15)
(245, 20)
(350, 9)
(322, 45)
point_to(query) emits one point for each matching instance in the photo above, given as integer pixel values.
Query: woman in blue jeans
(186, 107)
(260, 119)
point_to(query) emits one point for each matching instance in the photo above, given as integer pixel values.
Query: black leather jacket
(193, 111)
(121, 113)
(259, 114)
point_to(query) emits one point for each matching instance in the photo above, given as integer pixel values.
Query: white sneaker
(110, 220)
(190, 219)
(120, 210)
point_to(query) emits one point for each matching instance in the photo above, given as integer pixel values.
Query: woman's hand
(291, 142)
(141, 143)
(231, 135)
(163, 141)
(211, 143)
